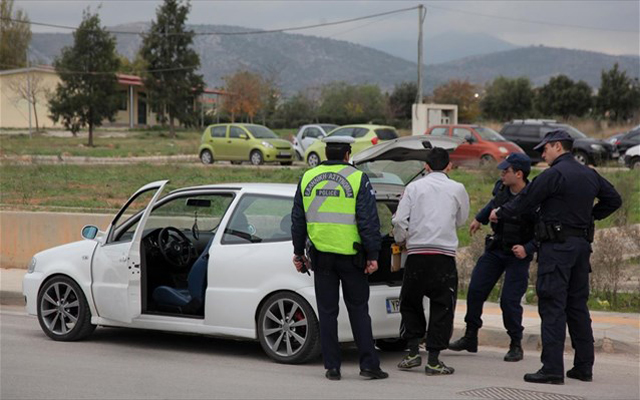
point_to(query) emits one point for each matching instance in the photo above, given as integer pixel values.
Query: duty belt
(579, 232)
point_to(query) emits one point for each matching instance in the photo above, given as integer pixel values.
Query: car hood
(74, 252)
(510, 146)
(277, 142)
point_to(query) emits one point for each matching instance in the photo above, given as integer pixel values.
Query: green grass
(97, 187)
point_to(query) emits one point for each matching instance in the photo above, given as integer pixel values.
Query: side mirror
(470, 139)
(89, 232)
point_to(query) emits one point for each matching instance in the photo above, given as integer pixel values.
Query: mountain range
(300, 61)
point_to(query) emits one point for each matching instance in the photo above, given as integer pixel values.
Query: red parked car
(481, 144)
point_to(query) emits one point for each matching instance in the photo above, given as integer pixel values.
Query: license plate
(285, 154)
(393, 306)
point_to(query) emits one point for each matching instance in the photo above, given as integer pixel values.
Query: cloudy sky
(610, 26)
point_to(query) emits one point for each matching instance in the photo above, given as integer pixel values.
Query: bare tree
(31, 88)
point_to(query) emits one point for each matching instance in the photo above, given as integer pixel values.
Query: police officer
(335, 208)
(509, 250)
(565, 193)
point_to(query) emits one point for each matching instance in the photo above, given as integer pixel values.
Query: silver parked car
(307, 134)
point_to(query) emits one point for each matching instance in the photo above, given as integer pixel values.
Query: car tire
(288, 329)
(635, 163)
(581, 157)
(60, 302)
(487, 160)
(313, 160)
(396, 344)
(206, 157)
(256, 157)
(286, 163)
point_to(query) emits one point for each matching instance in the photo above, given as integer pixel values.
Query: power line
(531, 21)
(219, 33)
(66, 71)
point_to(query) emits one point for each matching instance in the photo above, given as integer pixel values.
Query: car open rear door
(116, 262)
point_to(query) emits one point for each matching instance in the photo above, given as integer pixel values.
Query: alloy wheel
(60, 308)
(285, 327)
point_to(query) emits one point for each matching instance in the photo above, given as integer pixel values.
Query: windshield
(260, 132)
(392, 172)
(576, 134)
(489, 134)
(328, 127)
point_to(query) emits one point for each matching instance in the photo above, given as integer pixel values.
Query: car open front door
(116, 262)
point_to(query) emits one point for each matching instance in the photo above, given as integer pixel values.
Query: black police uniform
(497, 259)
(330, 270)
(565, 192)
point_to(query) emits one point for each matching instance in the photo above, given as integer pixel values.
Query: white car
(214, 260)
(631, 157)
(307, 134)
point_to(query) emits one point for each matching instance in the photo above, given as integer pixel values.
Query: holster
(359, 260)
(490, 242)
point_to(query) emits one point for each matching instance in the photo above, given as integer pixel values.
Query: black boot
(515, 352)
(468, 342)
(574, 373)
(543, 377)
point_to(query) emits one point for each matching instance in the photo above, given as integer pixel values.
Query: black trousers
(436, 277)
(489, 268)
(330, 271)
(563, 291)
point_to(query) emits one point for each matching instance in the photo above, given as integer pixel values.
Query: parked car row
(477, 144)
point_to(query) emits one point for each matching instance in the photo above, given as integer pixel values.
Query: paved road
(122, 363)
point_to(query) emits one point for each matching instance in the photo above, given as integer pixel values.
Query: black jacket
(366, 218)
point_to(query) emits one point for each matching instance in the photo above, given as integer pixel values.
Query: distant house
(133, 111)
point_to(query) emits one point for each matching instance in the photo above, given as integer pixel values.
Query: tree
(87, 93)
(461, 93)
(619, 95)
(343, 103)
(136, 67)
(31, 89)
(298, 110)
(171, 80)
(506, 98)
(563, 97)
(246, 94)
(402, 99)
(15, 36)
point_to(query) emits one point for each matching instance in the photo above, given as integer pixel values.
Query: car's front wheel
(206, 157)
(63, 311)
(288, 329)
(256, 157)
(313, 160)
(581, 157)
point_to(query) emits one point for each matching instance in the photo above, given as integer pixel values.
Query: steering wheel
(175, 247)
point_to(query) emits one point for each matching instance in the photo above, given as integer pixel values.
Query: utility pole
(422, 13)
(30, 99)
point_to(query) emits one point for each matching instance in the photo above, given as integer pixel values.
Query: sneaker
(439, 369)
(410, 361)
(468, 343)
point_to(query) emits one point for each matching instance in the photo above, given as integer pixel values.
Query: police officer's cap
(339, 140)
(517, 161)
(559, 135)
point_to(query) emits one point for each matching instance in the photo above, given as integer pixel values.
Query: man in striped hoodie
(429, 212)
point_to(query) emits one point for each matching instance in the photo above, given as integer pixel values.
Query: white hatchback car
(214, 260)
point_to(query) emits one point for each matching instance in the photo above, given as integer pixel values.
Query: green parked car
(244, 142)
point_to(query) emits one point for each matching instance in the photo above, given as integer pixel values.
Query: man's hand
(475, 225)
(494, 215)
(519, 251)
(372, 266)
(299, 262)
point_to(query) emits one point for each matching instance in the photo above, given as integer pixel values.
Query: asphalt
(613, 332)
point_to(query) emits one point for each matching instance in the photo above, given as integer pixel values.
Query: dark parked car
(528, 133)
(628, 140)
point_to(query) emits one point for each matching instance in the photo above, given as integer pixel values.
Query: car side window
(509, 130)
(259, 219)
(534, 131)
(236, 132)
(343, 132)
(204, 210)
(461, 133)
(219, 131)
(439, 131)
(311, 133)
(360, 132)
(635, 138)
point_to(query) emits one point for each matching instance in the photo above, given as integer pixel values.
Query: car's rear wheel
(256, 157)
(396, 344)
(63, 312)
(635, 163)
(288, 329)
(487, 160)
(313, 160)
(581, 157)
(206, 157)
